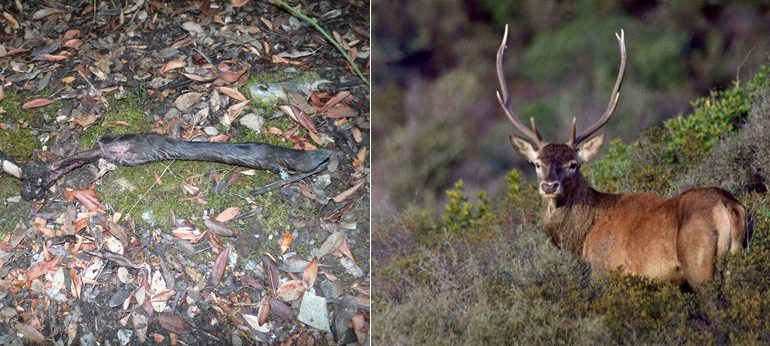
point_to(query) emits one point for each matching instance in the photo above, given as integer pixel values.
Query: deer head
(557, 165)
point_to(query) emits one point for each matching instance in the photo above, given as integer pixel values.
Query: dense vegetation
(484, 273)
(437, 116)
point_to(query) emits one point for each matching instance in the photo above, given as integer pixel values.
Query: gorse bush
(661, 157)
(460, 213)
(484, 272)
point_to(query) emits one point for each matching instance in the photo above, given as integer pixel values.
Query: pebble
(211, 130)
(252, 121)
(312, 311)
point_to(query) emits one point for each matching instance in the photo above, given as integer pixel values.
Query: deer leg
(697, 244)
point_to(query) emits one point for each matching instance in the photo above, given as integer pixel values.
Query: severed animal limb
(137, 149)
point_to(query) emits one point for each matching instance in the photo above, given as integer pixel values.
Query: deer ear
(524, 148)
(590, 148)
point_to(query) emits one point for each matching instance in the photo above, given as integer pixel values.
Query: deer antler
(505, 102)
(575, 140)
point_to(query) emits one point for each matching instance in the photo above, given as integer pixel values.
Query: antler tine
(505, 102)
(613, 99)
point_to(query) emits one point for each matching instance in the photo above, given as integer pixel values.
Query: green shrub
(460, 213)
(486, 274)
(715, 116)
(643, 310)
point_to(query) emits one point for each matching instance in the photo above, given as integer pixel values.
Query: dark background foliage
(437, 117)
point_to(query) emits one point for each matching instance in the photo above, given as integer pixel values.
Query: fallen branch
(292, 179)
(137, 149)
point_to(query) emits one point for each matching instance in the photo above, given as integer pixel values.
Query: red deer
(675, 239)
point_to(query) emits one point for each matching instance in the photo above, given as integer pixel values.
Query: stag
(676, 239)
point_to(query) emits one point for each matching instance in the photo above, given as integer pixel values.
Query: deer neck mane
(568, 219)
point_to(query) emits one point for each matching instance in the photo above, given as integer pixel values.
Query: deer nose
(549, 187)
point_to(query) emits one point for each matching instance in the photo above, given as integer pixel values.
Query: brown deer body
(676, 239)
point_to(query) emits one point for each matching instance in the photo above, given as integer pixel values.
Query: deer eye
(572, 165)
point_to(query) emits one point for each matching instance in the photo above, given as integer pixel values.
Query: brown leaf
(44, 12)
(196, 77)
(174, 323)
(173, 64)
(270, 268)
(12, 22)
(88, 198)
(286, 241)
(218, 227)
(236, 109)
(184, 233)
(70, 34)
(41, 268)
(186, 101)
(51, 57)
(236, 4)
(36, 103)
(264, 310)
(360, 327)
(347, 193)
(340, 111)
(299, 116)
(73, 43)
(345, 249)
(85, 120)
(228, 214)
(29, 334)
(339, 97)
(332, 243)
(280, 309)
(229, 71)
(219, 266)
(311, 272)
(234, 93)
(291, 290)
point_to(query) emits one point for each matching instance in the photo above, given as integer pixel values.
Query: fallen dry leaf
(280, 309)
(219, 266)
(286, 241)
(270, 268)
(228, 214)
(12, 22)
(290, 290)
(88, 198)
(311, 272)
(347, 193)
(186, 101)
(340, 110)
(174, 323)
(29, 334)
(236, 4)
(173, 64)
(41, 268)
(36, 103)
(71, 33)
(264, 310)
(360, 327)
(218, 227)
(234, 93)
(332, 243)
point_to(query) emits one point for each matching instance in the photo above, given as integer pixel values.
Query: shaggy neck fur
(568, 218)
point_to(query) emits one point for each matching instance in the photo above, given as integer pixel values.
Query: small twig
(325, 34)
(155, 182)
(115, 258)
(292, 179)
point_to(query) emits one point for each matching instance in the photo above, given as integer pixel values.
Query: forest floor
(182, 252)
